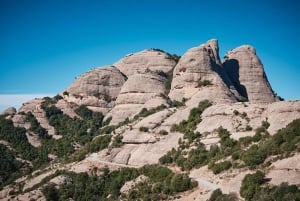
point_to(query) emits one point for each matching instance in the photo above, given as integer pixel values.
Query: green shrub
(248, 128)
(265, 124)
(147, 112)
(50, 192)
(244, 115)
(108, 129)
(245, 141)
(254, 156)
(10, 168)
(156, 173)
(169, 78)
(217, 195)
(251, 184)
(165, 159)
(117, 141)
(177, 104)
(204, 83)
(226, 142)
(194, 119)
(107, 121)
(235, 112)
(252, 188)
(144, 129)
(163, 132)
(219, 167)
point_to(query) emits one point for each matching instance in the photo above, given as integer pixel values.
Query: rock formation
(137, 92)
(147, 60)
(246, 72)
(98, 88)
(199, 72)
(10, 111)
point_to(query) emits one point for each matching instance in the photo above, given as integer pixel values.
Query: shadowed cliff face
(231, 67)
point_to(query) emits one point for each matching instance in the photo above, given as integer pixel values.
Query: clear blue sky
(45, 44)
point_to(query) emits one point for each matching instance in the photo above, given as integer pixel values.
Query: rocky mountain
(156, 126)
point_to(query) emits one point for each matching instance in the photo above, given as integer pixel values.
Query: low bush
(144, 129)
(204, 83)
(220, 167)
(163, 132)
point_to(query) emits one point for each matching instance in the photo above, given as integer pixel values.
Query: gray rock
(199, 65)
(147, 60)
(136, 93)
(246, 72)
(10, 111)
(98, 88)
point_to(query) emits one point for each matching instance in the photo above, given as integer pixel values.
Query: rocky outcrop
(137, 92)
(237, 117)
(281, 113)
(147, 60)
(67, 108)
(137, 137)
(246, 72)
(34, 107)
(199, 72)
(10, 111)
(98, 88)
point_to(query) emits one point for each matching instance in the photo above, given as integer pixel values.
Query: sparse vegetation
(217, 195)
(235, 112)
(219, 167)
(161, 184)
(178, 104)
(253, 188)
(36, 127)
(194, 119)
(144, 129)
(147, 112)
(117, 141)
(169, 77)
(163, 132)
(99, 143)
(204, 83)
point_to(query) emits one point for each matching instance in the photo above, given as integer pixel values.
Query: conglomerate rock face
(138, 80)
(98, 88)
(147, 60)
(246, 72)
(199, 71)
(138, 91)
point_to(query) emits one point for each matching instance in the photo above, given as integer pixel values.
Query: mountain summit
(156, 126)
